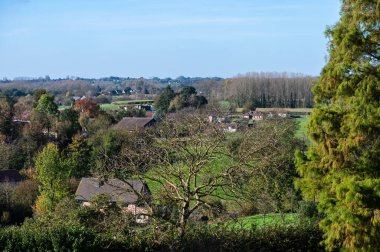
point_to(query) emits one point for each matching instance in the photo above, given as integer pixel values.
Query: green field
(302, 128)
(216, 165)
(109, 106)
(63, 107)
(224, 104)
(288, 110)
(261, 220)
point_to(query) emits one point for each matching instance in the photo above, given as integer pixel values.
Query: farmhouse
(135, 123)
(130, 194)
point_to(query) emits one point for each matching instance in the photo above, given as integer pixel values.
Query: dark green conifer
(341, 170)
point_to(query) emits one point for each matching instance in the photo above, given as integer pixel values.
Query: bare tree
(181, 160)
(270, 90)
(265, 156)
(192, 162)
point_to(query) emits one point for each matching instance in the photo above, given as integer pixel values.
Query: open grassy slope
(261, 220)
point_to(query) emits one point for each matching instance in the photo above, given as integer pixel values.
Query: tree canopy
(47, 105)
(341, 169)
(164, 99)
(53, 170)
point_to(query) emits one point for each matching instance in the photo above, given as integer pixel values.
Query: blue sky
(163, 38)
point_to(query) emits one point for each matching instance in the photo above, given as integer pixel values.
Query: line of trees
(266, 90)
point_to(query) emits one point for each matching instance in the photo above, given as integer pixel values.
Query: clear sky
(163, 38)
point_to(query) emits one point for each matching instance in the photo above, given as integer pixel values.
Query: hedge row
(291, 238)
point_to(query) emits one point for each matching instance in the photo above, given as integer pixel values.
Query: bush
(103, 99)
(34, 237)
(51, 239)
(307, 209)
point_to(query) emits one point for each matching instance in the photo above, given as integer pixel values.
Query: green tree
(180, 157)
(267, 167)
(37, 95)
(80, 157)
(340, 171)
(67, 125)
(12, 156)
(6, 117)
(105, 146)
(188, 91)
(53, 171)
(22, 200)
(39, 122)
(47, 105)
(164, 99)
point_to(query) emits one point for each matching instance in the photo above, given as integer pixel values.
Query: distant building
(135, 123)
(145, 107)
(255, 115)
(128, 193)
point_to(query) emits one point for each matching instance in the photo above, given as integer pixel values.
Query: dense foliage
(199, 175)
(53, 171)
(341, 169)
(304, 237)
(169, 101)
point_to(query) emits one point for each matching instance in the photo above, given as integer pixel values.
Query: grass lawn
(109, 106)
(261, 220)
(302, 128)
(224, 104)
(215, 166)
(63, 107)
(289, 110)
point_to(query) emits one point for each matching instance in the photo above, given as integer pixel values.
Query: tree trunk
(184, 216)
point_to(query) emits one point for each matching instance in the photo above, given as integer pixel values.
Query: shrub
(307, 209)
(35, 237)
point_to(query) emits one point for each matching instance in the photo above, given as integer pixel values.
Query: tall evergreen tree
(164, 99)
(341, 170)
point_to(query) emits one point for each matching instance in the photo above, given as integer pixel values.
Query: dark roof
(119, 191)
(133, 123)
(10, 176)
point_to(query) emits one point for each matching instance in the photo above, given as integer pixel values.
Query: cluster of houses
(232, 123)
(133, 195)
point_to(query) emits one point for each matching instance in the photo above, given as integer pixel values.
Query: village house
(135, 123)
(132, 194)
(255, 115)
(145, 107)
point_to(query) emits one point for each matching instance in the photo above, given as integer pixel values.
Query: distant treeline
(75, 86)
(266, 90)
(251, 90)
